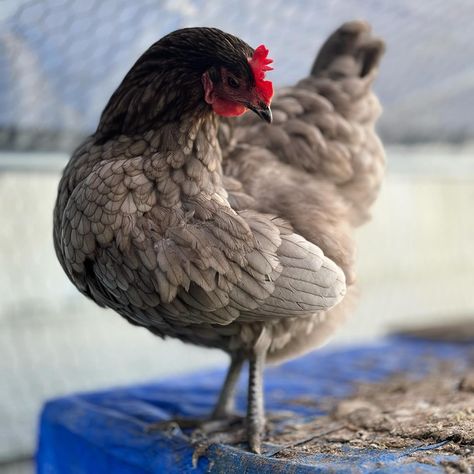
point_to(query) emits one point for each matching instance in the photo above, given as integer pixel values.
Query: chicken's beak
(263, 111)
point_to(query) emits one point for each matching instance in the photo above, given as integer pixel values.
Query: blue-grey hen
(147, 223)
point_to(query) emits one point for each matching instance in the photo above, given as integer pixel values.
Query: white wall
(416, 257)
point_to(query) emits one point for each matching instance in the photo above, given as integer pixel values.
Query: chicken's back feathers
(324, 125)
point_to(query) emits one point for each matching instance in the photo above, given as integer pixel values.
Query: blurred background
(60, 60)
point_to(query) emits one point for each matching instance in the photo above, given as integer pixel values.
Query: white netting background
(60, 60)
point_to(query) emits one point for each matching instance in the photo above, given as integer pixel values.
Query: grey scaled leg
(225, 402)
(255, 408)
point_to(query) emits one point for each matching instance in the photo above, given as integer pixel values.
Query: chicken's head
(186, 72)
(231, 90)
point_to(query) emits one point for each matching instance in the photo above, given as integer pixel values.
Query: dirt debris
(399, 413)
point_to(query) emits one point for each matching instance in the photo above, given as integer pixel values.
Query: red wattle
(226, 108)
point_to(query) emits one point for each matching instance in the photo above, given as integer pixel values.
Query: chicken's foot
(222, 416)
(223, 426)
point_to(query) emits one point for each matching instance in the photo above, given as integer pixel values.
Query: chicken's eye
(233, 82)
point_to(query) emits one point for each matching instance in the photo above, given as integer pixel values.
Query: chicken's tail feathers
(351, 51)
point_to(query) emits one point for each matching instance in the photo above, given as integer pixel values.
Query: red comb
(259, 63)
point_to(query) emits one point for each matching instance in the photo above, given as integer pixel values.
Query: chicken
(146, 222)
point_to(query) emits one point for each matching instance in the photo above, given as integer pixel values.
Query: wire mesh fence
(60, 60)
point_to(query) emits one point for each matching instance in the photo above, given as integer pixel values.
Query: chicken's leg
(255, 422)
(255, 408)
(225, 402)
(213, 429)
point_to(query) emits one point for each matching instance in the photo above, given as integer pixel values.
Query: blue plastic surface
(104, 432)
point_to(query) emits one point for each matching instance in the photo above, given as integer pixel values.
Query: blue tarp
(104, 432)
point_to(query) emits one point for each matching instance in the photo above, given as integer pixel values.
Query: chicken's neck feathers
(152, 95)
(192, 151)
